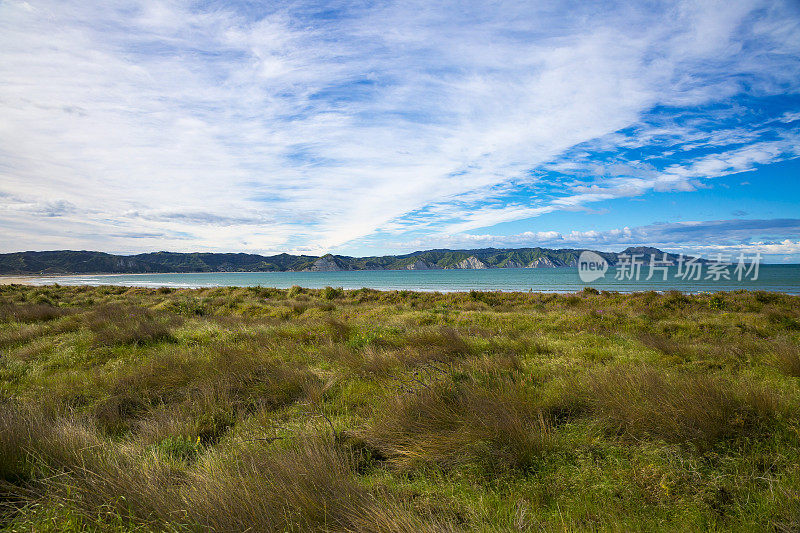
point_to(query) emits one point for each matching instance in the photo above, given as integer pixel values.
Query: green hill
(85, 262)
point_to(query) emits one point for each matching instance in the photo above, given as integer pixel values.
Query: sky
(367, 128)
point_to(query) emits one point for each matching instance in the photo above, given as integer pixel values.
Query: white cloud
(698, 237)
(162, 126)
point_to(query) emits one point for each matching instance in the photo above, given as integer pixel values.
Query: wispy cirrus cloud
(302, 127)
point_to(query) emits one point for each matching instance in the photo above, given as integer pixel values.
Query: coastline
(29, 279)
(774, 278)
(16, 280)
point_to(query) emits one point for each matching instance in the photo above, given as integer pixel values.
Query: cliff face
(470, 262)
(326, 264)
(542, 262)
(419, 264)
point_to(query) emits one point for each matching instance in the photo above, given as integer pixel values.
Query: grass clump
(488, 420)
(307, 485)
(643, 402)
(209, 394)
(31, 313)
(117, 324)
(787, 358)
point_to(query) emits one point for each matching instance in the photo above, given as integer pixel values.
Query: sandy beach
(16, 280)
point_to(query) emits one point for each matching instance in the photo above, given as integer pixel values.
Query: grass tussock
(116, 324)
(31, 312)
(679, 408)
(308, 485)
(440, 344)
(488, 419)
(203, 397)
(787, 358)
(666, 345)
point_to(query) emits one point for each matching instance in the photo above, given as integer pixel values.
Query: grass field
(254, 409)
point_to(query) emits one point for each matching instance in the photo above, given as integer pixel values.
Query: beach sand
(16, 280)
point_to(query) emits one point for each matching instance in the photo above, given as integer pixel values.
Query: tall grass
(117, 324)
(31, 312)
(203, 410)
(787, 358)
(643, 402)
(492, 422)
(306, 486)
(207, 393)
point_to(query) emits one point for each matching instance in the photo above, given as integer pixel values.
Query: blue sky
(380, 127)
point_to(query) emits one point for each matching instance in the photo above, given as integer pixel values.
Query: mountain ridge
(91, 262)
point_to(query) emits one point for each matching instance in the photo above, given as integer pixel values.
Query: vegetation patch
(261, 409)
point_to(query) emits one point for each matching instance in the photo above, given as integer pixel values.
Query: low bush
(329, 293)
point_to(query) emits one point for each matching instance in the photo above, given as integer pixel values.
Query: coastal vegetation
(259, 409)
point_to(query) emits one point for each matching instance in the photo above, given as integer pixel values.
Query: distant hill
(85, 262)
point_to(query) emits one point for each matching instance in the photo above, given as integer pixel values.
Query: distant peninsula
(88, 262)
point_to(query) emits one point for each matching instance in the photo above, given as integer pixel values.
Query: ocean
(780, 278)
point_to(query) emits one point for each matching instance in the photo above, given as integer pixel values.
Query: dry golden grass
(308, 485)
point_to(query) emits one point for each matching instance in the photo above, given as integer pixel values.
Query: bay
(779, 278)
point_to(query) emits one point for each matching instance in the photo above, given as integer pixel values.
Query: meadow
(257, 409)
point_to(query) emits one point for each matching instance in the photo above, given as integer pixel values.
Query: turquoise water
(781, 278)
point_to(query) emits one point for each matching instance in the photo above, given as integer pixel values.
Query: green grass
(234, 409)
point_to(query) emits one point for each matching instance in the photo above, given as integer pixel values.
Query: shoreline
(539, 280)
(27, 279)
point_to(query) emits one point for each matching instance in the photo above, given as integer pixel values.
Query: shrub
(294, 290)
(716, 303)
(675, 300)
(489, 298)
(329, 293)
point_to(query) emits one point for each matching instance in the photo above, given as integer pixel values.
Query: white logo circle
(591, 266)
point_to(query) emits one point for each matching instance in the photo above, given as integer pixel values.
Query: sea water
(780, 278)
